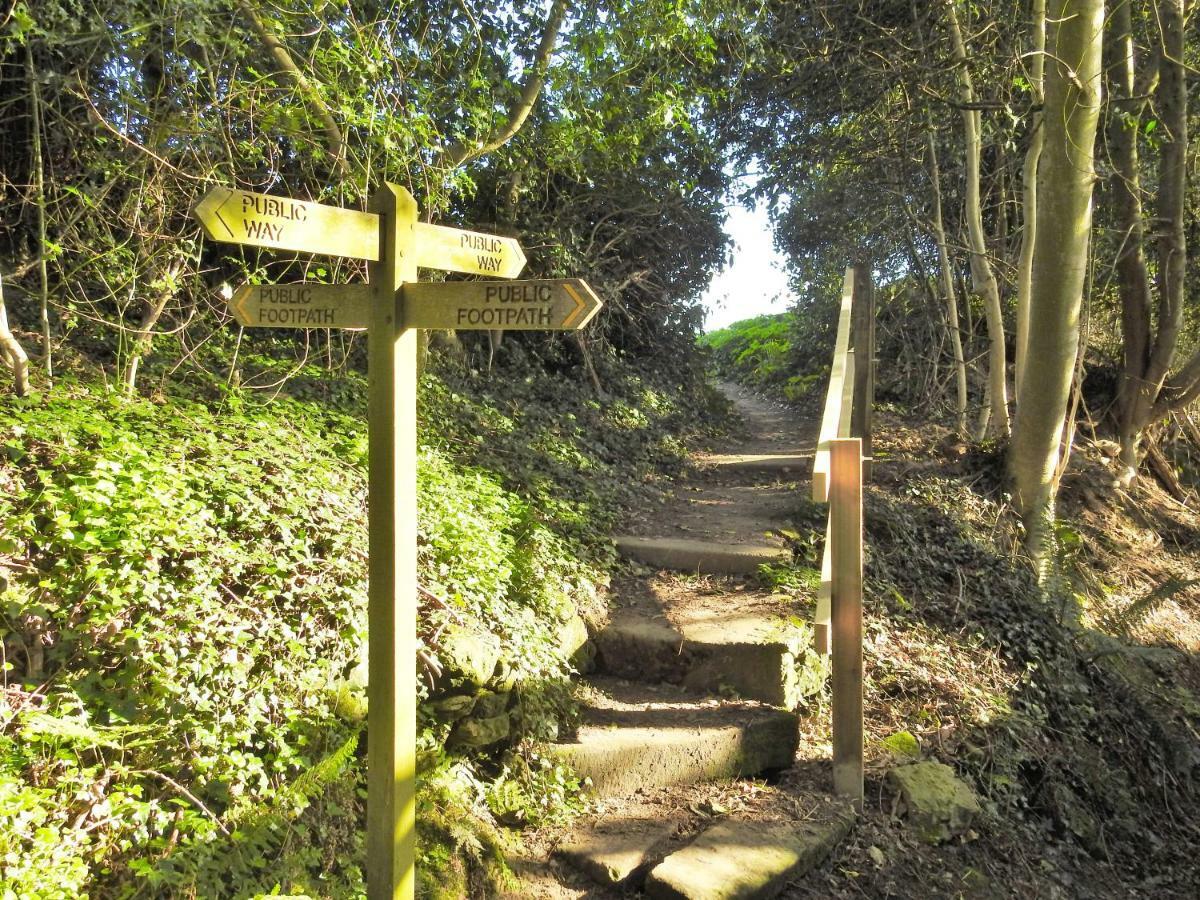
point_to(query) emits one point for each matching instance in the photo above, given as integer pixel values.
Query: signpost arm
(392, 614)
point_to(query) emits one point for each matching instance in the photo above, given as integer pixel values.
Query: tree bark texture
(1037, 70)
(983, 277)
(1065, 180)
(947, 273)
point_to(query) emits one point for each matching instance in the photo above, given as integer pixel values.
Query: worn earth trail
(708, 776)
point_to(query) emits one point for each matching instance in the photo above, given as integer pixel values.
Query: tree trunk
(11, 351)
(1037, 69)
(335, 142)
(39, 182)
(535, 77)
(1146, 392)
(983, 278)
(145, 333)
(1063, 228)
(1172, 194)
(1133, 277)
(947, 273)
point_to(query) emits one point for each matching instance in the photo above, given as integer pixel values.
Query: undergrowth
(183, 598)
(785, 352)
(1076, 731)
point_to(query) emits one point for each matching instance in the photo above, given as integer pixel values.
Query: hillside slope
(183, 584)
(1073, 709)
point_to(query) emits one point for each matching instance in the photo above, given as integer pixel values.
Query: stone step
(759, 655)
(743, 859)
(706, 557)
(637, 737)
(785, 463)
(620, 850)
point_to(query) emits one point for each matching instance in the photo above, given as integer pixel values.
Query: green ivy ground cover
(183, 598)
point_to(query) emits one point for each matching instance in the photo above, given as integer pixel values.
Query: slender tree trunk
(1172, 194)
(335, 142)
(535, 76)
(947, 273)
(1150, 335)
(983, 278)
(1063, 228)
(1133, 276)
(145, 334)
(12, 352)
(39, 182)
(1037, 69)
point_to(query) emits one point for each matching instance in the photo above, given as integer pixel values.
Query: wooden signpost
(563, 304)
(261, 220)
(392, 308)
(302, 305)
(455, 250)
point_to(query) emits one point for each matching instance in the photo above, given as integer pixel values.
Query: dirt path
(705, 649)
(745, 491)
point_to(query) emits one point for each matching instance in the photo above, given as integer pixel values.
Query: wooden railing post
(864, 350)
(839, 467)
(846, 565)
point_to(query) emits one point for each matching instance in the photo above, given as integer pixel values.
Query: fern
(1136, 612)
(293, 798)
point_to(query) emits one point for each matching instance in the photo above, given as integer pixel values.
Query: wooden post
(869, 400)
(846, 541)
(392, 611)
(864, 352)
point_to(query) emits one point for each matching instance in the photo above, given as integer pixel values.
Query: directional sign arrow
(551, 304)
(302, 305)
(455, 250)
(261, 220)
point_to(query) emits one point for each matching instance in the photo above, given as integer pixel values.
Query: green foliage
(786, 352)
(792, 578)
(533, 790)
(177, 572)
(176, 568)
(902, 745)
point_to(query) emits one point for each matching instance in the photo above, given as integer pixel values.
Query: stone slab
(701, 556)
(734, 860)
(938, 804)
(625, 751)
(760, 462)
(618, 850)
(760, 658)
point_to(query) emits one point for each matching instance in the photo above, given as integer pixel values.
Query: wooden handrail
(831, 419)
(840, 464)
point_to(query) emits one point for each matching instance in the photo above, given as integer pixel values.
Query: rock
(584, 659)
(479, 732)
(469, 657)
(350, 703)
(489, 704)
(746, 859)
(453, 707)
(938, 804)
(572, 637)
(505, 679)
